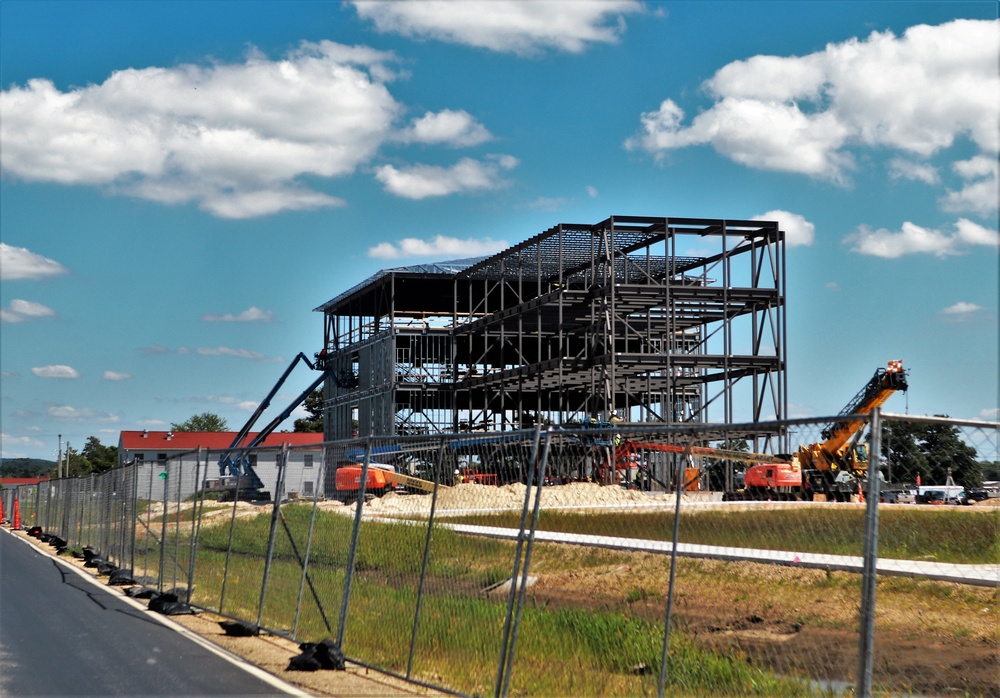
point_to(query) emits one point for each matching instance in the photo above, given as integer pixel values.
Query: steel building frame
(667, 320)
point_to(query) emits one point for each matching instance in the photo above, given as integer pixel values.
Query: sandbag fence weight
(591, 561)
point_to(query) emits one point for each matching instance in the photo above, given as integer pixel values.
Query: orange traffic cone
(17, 516)
(861, 494)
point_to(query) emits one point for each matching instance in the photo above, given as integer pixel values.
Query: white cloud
(76, 414)
(916, 93)
(521, 27)
(23, 311)
(232, 138)
(9, 441)
(798, 231)
(962, 308)
(18, 263)
(963, 312)
(440, 246)
(914, 239)
(237, 353)
(56, 371)
(591, 191)
(251, 314)
(448, 127)
(902, 168)
(115, 376)
(990, 413)
(422, 181)
(981, 193)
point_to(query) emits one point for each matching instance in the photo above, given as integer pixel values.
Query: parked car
(979, 494)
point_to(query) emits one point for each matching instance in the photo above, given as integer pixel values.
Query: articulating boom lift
(237, 478)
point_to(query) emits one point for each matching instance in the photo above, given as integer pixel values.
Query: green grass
(942, 536)
(560, 651)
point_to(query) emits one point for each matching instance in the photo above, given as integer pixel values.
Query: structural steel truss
(669, 320)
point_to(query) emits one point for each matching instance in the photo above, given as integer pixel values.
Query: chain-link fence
(611, 559)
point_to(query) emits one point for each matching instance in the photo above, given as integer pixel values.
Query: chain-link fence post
(866, 644)
(355, 535)
(521, 587)
(279, 487)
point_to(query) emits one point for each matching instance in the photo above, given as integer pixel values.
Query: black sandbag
(90, 554)
(56, 542)
(140, 592)
(168, 605)
(238, 628)
(35, 531)
(303, 662)
(326, 653)
(105, 567)
(121, 578)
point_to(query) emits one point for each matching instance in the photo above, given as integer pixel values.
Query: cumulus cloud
(24, 311)
(522, 27)
(18, 263)
(238, 403)
(237, 353)
(807, 114)
(914, 239)
(251, 314)
(79, 414)
(962, 311)
(591, 191)
(115, 376)
(232, 138)
(10, 445)
(903, 168)
(981, 192)
(440, 246)
(798, 231)
(423, 181)
(55, 371)
(448, 127)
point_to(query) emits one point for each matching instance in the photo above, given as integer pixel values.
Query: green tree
(101, 458)
(75, 464)
(206, 421)
(314, 406)
(932, 451)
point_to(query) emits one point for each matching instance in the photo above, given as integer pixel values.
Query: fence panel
(607, 559)
(935, 637)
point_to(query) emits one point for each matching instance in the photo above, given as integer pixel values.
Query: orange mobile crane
(833, 468)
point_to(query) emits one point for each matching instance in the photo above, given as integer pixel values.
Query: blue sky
(183, 182)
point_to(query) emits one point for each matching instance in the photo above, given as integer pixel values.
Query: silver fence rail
(608, 559)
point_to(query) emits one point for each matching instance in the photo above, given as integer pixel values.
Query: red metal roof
(191, 440)
(15, 481)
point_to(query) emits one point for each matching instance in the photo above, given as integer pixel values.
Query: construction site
(674, 321)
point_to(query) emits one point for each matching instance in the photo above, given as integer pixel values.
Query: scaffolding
(677, 321)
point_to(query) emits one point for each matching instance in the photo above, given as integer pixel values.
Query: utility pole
(59, 459)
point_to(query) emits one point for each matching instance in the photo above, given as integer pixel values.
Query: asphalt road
(64, 635)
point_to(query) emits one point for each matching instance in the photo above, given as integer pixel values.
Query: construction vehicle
(237, 478)
(831, 470)
(382, 479)
(836, 468)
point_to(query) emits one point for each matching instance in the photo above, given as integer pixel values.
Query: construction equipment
(834, 469)
(382, 479)
(831, 470)
(237, 478)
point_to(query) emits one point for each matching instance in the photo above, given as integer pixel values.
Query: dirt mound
(474, 497)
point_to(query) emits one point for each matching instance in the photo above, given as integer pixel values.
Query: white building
(156, 452)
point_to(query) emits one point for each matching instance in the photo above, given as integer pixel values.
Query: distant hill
(26, 467)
